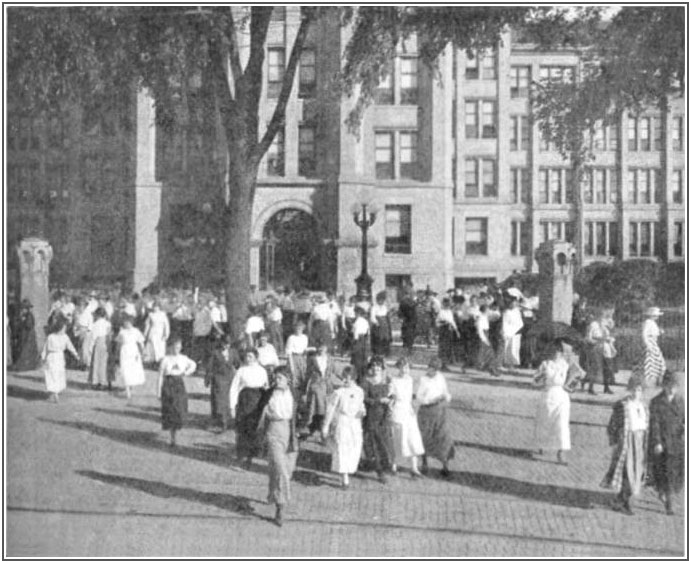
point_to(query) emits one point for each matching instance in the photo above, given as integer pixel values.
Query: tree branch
(233, 48)
(227, 104)
(288, 77)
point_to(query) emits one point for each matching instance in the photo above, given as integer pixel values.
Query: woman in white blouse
(361, 344)
(651, 365)
(296, 347)
(407, 441)
(246, 391)
(433, 397)
(171, 388)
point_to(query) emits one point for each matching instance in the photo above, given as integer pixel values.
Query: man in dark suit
(666, 441)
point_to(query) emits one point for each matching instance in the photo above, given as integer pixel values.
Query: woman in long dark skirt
(28, 357)
(361, 344)
(447, 332)
(433, 397)
(171, 388)
(380, 323)
(219, 375)
(378, 439)
(246, 391)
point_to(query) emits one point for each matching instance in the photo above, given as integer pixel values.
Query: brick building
(464, 186)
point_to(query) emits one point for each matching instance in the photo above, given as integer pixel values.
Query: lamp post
(364, 218)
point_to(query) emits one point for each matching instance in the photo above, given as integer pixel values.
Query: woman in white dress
(53, 357)
(131, 346)
(342, 426)
(651, 366)
(407, 440)
(157, 331)
(554, 407)
(511, 324)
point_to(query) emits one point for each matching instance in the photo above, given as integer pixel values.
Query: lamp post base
(363, 285)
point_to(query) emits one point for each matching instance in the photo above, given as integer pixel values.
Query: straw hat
(653, 312)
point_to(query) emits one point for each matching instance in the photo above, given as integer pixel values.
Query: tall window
(657, 134)
(599, 185)
(276, 70)
(480, 119)
(556, 230)
(554, 186)
(613, 131)
(476, 236)
(520, 185)
(519, 238)
(409, 90)
(677, 133)
(397, 229)
(678, 249)
(489, 66)
(408, 154)
(677, 186)
(307, 162)
(633, 134)
(640, 131)
(383, 94)
(308, 75)
(480, 178)
(482, 66)
(601, 238)
(275, 159)
(472, 68)
(520, 133)
(645, 239)
(644, 134)
(384, 155)
(520, 81)
(645, 185)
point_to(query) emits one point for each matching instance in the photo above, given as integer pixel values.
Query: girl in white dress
(157, 332)
(553, 410)
(53, 356)
(342, 427)
(407, 440)
(131, 345)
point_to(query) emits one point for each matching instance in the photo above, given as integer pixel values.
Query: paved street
(93, 476)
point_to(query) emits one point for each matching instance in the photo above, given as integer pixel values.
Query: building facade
(464, 187)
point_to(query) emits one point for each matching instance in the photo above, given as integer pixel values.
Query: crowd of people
(278, 383)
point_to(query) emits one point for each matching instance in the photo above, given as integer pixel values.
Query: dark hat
(670, 379)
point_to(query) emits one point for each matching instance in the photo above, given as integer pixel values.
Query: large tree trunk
(238, 228)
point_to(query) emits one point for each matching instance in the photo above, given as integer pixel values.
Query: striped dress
(651, 364)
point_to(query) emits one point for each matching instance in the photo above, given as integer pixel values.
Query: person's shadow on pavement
(233, 503)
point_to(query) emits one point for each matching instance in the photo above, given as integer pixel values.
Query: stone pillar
(556, 261)
(34, 271)
(147, 196)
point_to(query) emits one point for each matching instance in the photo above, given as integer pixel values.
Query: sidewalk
(94, 477)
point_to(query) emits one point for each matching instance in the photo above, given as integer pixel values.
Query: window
(644, 239)
(397, 282)
(557, 73)
(489, 66)
(520, 185)
(633, 136)
(640, 131)
(555, 186)
(476, 236)
(657, 134)
(644, 134)
(384, 155)
(408, 154)
(520, 133)
(276, 156)
(276, 70)
(613, 131)
(556, 230)
(520, 81)
(480, 172)
(472, 68)
(677, 186)
(480, 119)
(481, 66)
(645, 185)
(383, 94)
(546, 144)
(677, 131)
(601, 238)
(599, 138)
(308, 76)
(397, 229)
(409, 94)
(519, 238)
(678, 249)
(307, 163)
(599, 185)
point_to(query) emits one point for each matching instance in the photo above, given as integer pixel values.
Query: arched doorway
(291, 251)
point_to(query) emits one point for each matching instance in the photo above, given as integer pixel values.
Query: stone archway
(291, 250)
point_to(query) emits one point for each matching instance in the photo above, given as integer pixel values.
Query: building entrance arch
(291, 251)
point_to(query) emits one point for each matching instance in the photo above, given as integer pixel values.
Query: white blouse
(638, 417)
(280, 406)
(432, 389)
(360, 328)
(100, 328)
(247, 376)
(177, 365)
(297, 344)
(266, 355)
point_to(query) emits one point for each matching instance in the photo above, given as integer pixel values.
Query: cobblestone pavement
(93, 476)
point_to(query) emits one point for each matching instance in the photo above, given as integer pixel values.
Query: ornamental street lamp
(364, 218)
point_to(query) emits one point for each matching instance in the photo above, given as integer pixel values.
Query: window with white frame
(409, 81)
(645, 134)
(307, 80)
(383, 94)
(476, 236)
(383, 155)
(644, 185)
(275, 157)
(556, 230)
(601, 238)
(307, 162)
(645, 239)
(482, 66)
(677, 133)
(599, 185)
(408, 165)
(519, 139)
(276, 70)
(397, 226)
(480, 178)
(480, 119)
(554, 186)
(678, 247)
(546, 144)
(520, 81)
(520, 185)
(520, 238)
(396, 155)
(677, 186)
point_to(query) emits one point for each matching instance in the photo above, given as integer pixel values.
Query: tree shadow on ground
(468, 408)
(232, 503)
(513, 452)
(217, 455)
(25, 394)
(497, 382)
(192, 420)
(552, 494)
(71, 384)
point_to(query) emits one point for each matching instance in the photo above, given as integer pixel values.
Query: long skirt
(381, 337)
(56, 380)
(220, 399)
(98, 367)
(131, 367)
(407, 440)
(281, 461)
(378, 444)
(87, 348)
(360, 357)
(275, 330)
(651, 366)
(626, 471)
(28, 357)
(446, 339)
(486, 358)
(173, 403)
(667, 471)
(512, 351)
(552, 420)
(345, 442)
(248, 413)
(408, 334)
(298, 367)
(434, 429)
